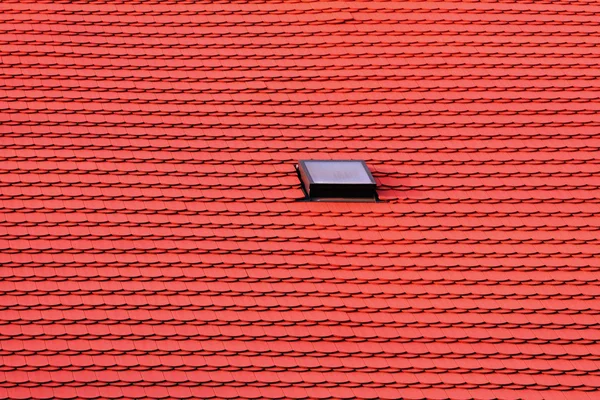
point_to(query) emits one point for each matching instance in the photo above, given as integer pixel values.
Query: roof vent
(338, 180)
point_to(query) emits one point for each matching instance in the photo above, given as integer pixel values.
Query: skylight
(337, 180)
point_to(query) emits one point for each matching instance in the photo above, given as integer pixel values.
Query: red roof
(152, 239)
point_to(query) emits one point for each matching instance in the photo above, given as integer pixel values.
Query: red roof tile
(153, 235)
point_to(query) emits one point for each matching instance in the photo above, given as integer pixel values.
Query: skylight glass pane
(338, 172)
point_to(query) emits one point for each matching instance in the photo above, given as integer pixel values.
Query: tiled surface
(152, 244)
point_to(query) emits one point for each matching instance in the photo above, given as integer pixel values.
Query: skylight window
(337, 180)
